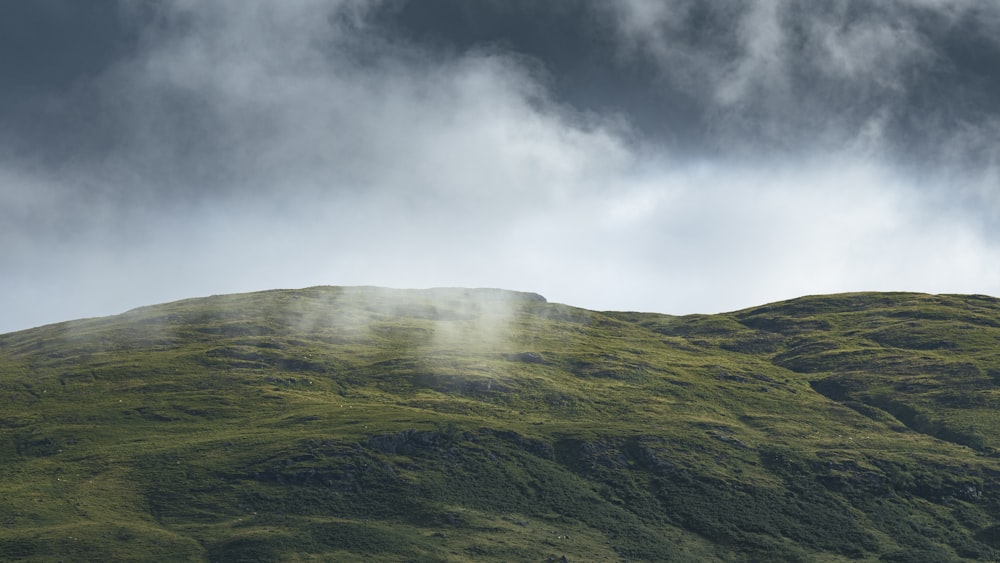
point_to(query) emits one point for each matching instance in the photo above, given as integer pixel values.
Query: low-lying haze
(674, 156)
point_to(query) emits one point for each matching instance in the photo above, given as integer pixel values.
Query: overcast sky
(674, 156)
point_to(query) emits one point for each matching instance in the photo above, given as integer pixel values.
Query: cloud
(254, 145)
(258, 145)
(791, 76)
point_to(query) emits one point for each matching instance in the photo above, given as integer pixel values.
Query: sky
(672, 156)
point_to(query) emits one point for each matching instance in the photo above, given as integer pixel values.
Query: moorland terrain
(341, 424)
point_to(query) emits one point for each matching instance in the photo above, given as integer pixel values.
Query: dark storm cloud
(665, 155)
(910, 84)
(760, 76)
(50, 52)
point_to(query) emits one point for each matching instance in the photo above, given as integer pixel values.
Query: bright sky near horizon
(674, 156)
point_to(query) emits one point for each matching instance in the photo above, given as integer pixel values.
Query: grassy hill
(365, 424)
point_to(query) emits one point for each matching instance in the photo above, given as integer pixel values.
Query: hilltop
(370, 424)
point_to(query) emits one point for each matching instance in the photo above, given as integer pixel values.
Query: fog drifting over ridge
(672, 156)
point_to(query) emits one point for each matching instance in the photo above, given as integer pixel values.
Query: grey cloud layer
(246, 145)
(783, 73)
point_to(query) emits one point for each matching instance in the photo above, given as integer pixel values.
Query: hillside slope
(453, 425)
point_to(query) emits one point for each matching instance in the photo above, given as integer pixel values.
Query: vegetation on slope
(452, 425)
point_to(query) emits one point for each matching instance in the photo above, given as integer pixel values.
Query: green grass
(332, 424)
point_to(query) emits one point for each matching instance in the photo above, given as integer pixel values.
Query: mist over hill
(362, 423)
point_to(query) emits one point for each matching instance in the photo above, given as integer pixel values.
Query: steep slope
(449, 425)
